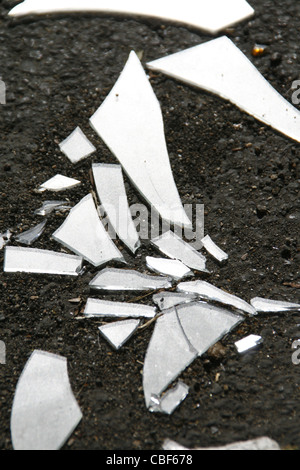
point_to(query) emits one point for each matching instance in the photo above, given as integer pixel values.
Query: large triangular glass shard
(130, 123)
(112, 195)
(204, 324)
(220, 67)
(210, 16)
(262, 305)
(119, 332)
(168, 354)
(207, 291)
(113, 279)
(173, 246)
(32, 260)
(166, 300)
(84, 233)
(44, 412)
(96, 308)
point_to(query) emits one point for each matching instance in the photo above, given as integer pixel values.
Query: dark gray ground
(57, 71)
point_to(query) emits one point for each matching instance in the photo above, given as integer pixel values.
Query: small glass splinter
(165, 300)
(273, 306)
(247, 343)
(49, 206)
(58, 183)
(77, 146)
(170, 267)
(170, 400)
(118, 333)
(30, 236)
(127, 279)
(214, 250)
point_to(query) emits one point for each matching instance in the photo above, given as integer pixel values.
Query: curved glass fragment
(44, 412)
(273, 306)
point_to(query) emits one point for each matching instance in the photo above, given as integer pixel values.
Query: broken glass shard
(168, 354)
(107, 308)
(50, 206)
(273, 306)
(112, 195)
(130, 122)
(210, 16)
(247, 343)
(44, 412)
(84, 234)
(77, 146)
(214, 250)
(204, 324)
(260, 443)
(166, 300)
(31, 260)
(212, 293)
(127, 279)
(58, 183)
(170, 400)
(171, 245)
(118, 333)
(170, 267)
(218, 66)
(30, 236)
(5, 238)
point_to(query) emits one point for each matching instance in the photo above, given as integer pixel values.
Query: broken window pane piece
(58, 183)
(260, 443)
(212, 293)
(166, 300)
(211, 16)
(130, 122)
(127, 279)
(5, 238)
(174, 268)
(204, 324)
(112, 195)
(168, 354)
(107, 308)
(50, 206)
(32, 260)
(118, 333)
(218, 66)
(44, 412)
(30, 236)
(170, 400)
(84, 233)
(214, 250)
(77, 146)
(247, 343)
(174, 247)
(273, 306)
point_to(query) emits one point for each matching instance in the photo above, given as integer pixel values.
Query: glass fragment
(262, 305)
(174, 247)
(170, 400)
(209, 292)
(214, 250)
(32, 260)
(130, 122)
(127, 279)
(247, 343)
(112, 195)
(84, 234)
(166, 300)
(218, 66)
(77, 146)
(106, 308)
(205, 324)
(260, 443)
(58, 183)
(168, 354)
(210, 16)
(5, 238)
(118, 333)
(170, 267)
(44, 412)
(31, 235)
(49, 206)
